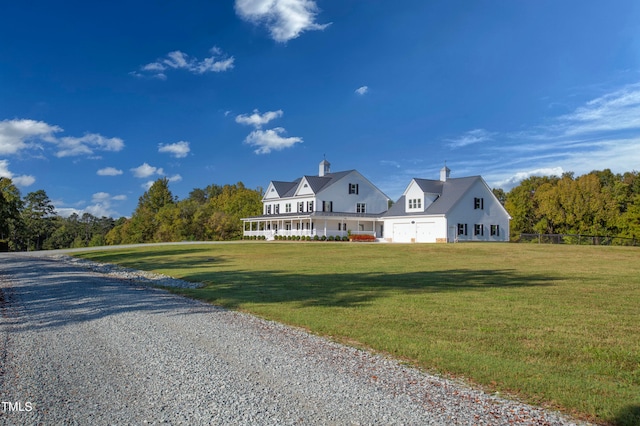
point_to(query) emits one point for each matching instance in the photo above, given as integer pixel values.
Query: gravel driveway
(81, 347)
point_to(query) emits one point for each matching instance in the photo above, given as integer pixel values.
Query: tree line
(599, 203)
(212, 213)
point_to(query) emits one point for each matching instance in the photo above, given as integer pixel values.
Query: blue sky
(99, 99)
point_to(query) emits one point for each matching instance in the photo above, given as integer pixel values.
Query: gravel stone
(88, 343)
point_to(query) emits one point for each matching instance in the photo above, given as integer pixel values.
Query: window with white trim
(462, 229)
(353, 188)
(361, 208)
(287, 208)
(478, 229)
(415, 203)
(495, 230)
(478, 203)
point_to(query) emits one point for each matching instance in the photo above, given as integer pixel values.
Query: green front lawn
(558, 326)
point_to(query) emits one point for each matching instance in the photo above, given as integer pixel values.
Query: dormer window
(415, 203)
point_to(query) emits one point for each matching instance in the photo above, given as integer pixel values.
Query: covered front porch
(311, 225)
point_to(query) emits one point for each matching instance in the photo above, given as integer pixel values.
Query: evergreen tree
(38, 215)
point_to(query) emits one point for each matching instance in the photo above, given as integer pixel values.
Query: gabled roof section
(283, 187)
(316, 184)
(430, 186)
(280, 188)
(450, 192)
(319, 183)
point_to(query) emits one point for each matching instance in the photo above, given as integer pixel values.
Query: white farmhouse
(329, 204)
(346, 203)
(446, 210)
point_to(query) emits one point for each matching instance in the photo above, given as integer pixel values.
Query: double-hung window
(361, 208)
(353, 188)
(478, 203)
(495, 230)
(462, 229)
(478, 229)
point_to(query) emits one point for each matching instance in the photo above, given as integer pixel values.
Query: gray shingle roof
(284, 187)
(449, 193)
(317, 183)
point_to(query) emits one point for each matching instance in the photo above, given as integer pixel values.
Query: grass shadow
(628, 416)
(233, 289)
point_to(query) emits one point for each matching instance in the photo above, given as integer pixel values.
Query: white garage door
(402, 232)
(425, 232)
(420, 232)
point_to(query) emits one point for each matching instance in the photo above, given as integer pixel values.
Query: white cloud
(256, 119)
(109, 171)
(175, 178)
(145, 170)
(285, 19)
(21, 180)
(362, 90)
(178, 150)
(268, 140)
(516, 178)
(101, 205)
(16, 135)
(217, 62)
(87, 145)
(616, 111)
(470, 137)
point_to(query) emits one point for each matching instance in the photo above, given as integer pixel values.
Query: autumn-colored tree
(599, 203)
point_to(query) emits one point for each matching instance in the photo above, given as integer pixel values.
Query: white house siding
(492, 213)
(338, 193)
(304, 188)
(271, 193)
